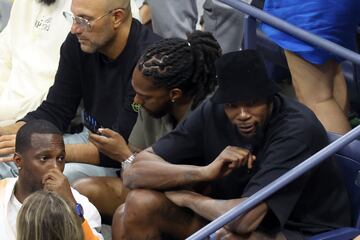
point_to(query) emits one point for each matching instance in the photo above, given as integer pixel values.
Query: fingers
(250, 161)
(52, 174)
(239, 156)
(8, 138)
(7, 144)
(97, 139)
(107, 132)
(6, 159)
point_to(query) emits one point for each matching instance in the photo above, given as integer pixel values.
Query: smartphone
(91, 123)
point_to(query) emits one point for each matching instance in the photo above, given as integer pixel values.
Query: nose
(53, 163)
(75, 28)
(243, 113)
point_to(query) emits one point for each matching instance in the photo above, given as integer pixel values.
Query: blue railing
(312, 161)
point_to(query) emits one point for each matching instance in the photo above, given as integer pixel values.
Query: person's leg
(8, 169)
(77, 138)
(340, 90)
(106, 193)
(173, 18)
(314, 87)
(225, 23)
(148, 214)
(75, 171)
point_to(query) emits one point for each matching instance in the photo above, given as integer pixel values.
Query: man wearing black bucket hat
(234, 144)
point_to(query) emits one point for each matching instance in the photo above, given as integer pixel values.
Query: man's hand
(228, 160)
(55, 181)
(111, 144)
(7, 147)
(181, 198)
(11, 129)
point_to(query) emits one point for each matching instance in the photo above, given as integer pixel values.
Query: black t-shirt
(315, 202)
(104, 85)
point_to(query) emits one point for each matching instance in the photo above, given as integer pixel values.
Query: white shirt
(29, 55)
(9, 209)
(13, 209)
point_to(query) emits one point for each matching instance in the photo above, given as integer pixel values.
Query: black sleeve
(127, 116)
(280, 156)
(64, 96)
(184, 144)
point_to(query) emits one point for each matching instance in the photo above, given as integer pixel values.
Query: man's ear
(119, 16)
(175, 94)
(18, 160)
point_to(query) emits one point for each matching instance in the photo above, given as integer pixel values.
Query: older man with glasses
(96, 64)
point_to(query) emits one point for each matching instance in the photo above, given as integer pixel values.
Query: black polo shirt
(315, 202)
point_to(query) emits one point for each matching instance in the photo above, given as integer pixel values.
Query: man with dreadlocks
(216, 145)
(171, 78)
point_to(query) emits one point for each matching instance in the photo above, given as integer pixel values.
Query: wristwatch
(79, 210)
(127, 162)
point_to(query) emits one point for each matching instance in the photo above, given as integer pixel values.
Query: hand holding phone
(91, 123)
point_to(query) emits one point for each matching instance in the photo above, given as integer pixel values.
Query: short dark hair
(23, 136)
(185, 64)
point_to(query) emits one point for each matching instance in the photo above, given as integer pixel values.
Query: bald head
(98, 7)
(112, 4)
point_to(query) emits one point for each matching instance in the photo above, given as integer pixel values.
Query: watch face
(79, 210)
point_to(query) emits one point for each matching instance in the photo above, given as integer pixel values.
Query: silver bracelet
(126, 163)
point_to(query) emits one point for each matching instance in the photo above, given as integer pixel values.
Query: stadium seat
(348, 160)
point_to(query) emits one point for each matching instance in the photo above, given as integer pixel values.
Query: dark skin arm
(152, 172)
(82, 153)
(211, 208)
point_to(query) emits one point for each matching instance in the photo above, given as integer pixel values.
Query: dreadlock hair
(185, 64)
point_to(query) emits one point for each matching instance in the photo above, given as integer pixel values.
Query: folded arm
(151, 171)
(212, 208)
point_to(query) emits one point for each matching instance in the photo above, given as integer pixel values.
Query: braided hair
(185, 64)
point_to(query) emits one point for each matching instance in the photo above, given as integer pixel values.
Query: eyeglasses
(83, 23)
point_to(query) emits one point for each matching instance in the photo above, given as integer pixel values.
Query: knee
(144, 200)
(140, 205)
(86, 186)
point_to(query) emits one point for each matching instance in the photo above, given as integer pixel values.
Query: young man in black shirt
(96, 64)
(242, 139)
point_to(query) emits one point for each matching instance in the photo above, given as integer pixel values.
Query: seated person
(246, 120)
(171, 78)
(29, 55)
(96, 64)
(316, 73)
(46, 215)
(40, 159)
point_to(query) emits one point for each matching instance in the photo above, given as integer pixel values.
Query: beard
(47, 2)
(165, 109)
(254, 140)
